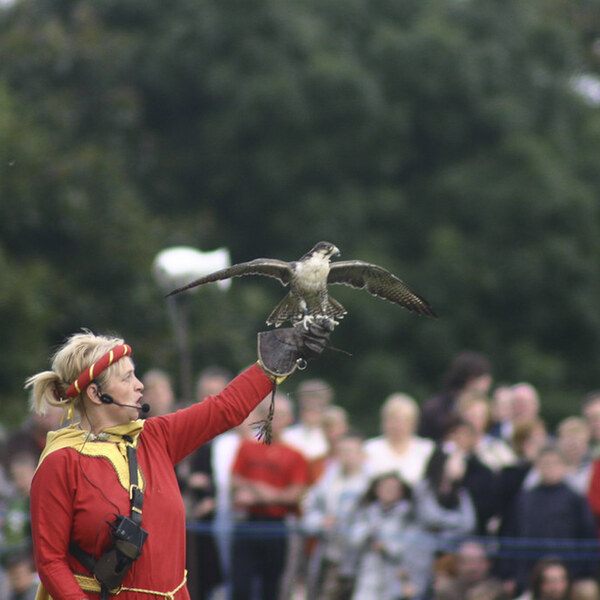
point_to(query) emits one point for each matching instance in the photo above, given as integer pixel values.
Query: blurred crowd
(468, 495)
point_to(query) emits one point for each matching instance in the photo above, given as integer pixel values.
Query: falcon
(309, 278)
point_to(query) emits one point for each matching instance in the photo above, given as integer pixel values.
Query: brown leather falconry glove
(282, 351)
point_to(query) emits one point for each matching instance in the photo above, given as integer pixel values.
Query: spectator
(195, 473)
(16, 543)
(479, 480)
(549, 581)
(22, 577)
(527, 440)
(585, 589)
(307, 435)
(222, 453)
(468, 371)
(16, 525)
(488, 590)
(573, 439)
(376, 534)
(593, 495)
(552, 511)
(211, 381)
(328, 512)
(472, 572)
(501, 413)
(30, 437)
(491, 451)
(205, 572)
(525, 403)
(158, 392)
(335, 427)
(268, 482)
(444, 515)
(444, 571)
(399, 449)
(591, 413)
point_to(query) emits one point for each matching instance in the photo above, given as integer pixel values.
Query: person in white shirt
(307, 435)
(399, 448)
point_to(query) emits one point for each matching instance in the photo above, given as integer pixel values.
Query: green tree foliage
(439, 138)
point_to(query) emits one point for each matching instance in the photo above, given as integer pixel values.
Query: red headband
(100, 365)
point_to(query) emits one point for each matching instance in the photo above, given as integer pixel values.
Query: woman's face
(124, 388)
(399, 424)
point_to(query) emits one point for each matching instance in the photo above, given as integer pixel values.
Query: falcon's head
(325, 249)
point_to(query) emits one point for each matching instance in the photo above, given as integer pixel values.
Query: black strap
(87, 560)
(135, 493)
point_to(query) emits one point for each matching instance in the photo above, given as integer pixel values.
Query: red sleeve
(52, 494)
(189, 428)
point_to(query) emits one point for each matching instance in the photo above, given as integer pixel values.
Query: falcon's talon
(307, 321)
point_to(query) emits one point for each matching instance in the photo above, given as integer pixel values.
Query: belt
(91, 584)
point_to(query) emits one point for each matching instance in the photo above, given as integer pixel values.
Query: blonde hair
(335, 414)
(572, 425)
(314, 393)
(78, 353)
(399, 402)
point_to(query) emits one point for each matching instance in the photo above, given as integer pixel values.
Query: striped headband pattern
(111, 357)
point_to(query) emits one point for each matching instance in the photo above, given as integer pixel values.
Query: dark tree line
(442, 139)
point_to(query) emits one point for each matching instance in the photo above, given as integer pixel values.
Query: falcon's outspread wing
(270, 267)
(378, 281)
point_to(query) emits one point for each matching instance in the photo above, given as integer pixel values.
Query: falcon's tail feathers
(286, 310)
(289, 310)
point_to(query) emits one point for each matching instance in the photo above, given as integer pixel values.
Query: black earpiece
(106, 399)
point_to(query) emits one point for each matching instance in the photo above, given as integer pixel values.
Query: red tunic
(73, 496)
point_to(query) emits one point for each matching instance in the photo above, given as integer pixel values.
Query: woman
(398, 448)
(92, 510)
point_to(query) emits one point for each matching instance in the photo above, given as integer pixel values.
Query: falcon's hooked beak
(334, 251)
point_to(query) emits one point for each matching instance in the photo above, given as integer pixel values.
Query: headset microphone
(108, 399)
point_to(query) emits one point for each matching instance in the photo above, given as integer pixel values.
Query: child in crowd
(328, 512)
(555, 516)
(377, 534)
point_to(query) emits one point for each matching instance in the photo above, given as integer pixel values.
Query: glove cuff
(278, 352)
(276, 379)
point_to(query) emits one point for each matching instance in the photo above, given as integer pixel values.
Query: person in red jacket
(107, 513)
(268, 483)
